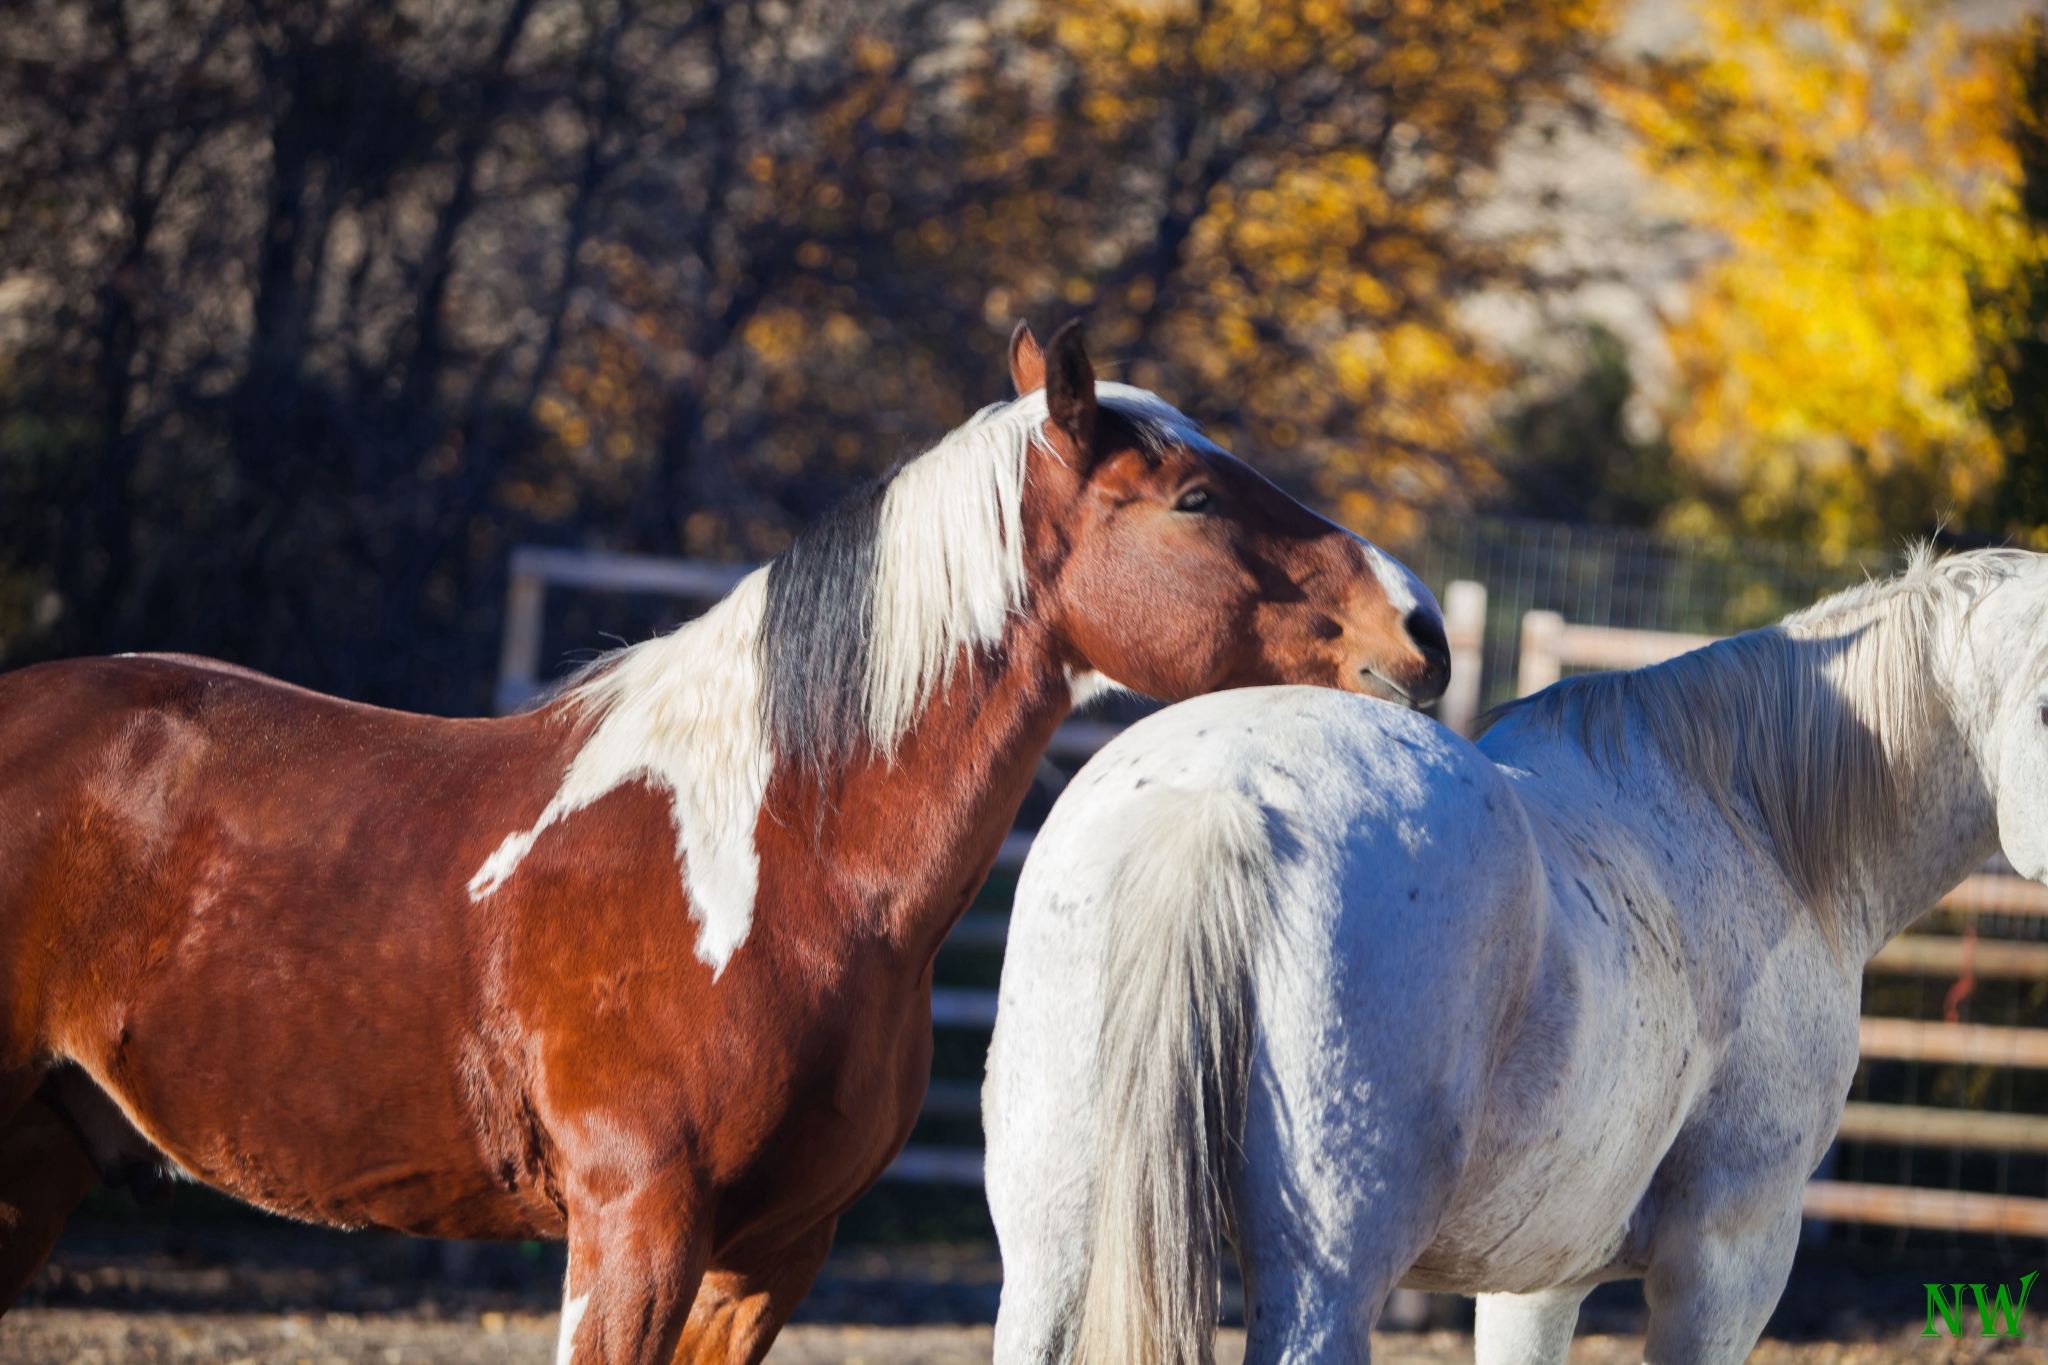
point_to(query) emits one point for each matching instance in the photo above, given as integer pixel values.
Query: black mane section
(1119, 430)
(815, 642)
(814, 633)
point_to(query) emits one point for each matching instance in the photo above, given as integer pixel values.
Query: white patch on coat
(572, 1318)
(682, 712)
(1404, 590)
(1087, 685)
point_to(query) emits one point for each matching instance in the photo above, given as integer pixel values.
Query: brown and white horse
(648, 967)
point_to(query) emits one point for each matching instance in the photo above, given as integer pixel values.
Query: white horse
(1578, 1004)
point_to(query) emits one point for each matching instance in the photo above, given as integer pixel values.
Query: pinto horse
(649, 967)
(1577, 1004)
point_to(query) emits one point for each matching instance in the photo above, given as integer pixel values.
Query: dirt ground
(276, 1294)
(60, 1336)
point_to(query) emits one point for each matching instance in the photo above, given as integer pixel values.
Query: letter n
(1951, 1313)
(2004, 1310)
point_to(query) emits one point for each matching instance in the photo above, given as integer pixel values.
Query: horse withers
(648, 967)
(1575, 1005)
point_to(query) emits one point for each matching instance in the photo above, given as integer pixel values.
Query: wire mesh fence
(1633, 580)
(1980, 970)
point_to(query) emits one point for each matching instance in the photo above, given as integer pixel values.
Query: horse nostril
(1427, 631)
(1428, 634)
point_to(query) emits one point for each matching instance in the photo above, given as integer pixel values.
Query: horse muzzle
(1417, 676)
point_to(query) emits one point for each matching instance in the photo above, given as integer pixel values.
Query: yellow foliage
(777, 336)
(600, 412)
(1855, 159)
(1255, 203)
(1258, 201)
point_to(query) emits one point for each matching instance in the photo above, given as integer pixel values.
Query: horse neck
(1871, 870)
(1947, 828)
(909, 838)
(1943, 819)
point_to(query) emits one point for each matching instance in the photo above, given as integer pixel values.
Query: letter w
(1951, 1313)
(2004, 1310)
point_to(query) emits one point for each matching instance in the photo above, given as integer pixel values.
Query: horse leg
(1040, 1154)
(635, 1260)
(43, 1175)
(1356, 1139)
(738, 1312)
(1527, 1329)
(1041, 1130)
(1712, 1283)
(1323, 1240)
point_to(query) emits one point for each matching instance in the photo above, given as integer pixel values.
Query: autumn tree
(1857, 162)
(2015, 328)
(311, 308)
(300, 300)
(263, 382)
(1257, 207)
(1261, 208)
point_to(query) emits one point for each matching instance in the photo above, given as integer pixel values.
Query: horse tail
(1187, 910)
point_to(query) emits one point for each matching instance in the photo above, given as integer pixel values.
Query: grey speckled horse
(1578, 1004)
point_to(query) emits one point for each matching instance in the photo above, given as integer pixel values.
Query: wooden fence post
(1465, 632)
(1541, 633)
(519, 653)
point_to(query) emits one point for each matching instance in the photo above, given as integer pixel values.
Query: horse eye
(1198, 499)
(2044, 714)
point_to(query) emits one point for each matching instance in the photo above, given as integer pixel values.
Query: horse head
(1998, 686)
(1176, 569)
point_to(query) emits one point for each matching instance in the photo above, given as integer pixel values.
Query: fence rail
(1909, 1125)
(1998, 894)
(534, 569)
(1925, 955)
(1906, 1206)
(1546, 645)
(1917, 1040)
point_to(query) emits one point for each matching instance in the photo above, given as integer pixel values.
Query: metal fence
(1630, 580)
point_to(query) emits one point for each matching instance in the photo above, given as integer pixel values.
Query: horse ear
(1070, 390)
(1027, 362)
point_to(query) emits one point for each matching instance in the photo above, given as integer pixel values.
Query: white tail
(1187, 908)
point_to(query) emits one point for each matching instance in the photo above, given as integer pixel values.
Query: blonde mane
(1809, 728)
(949, 567)
(872, 611)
